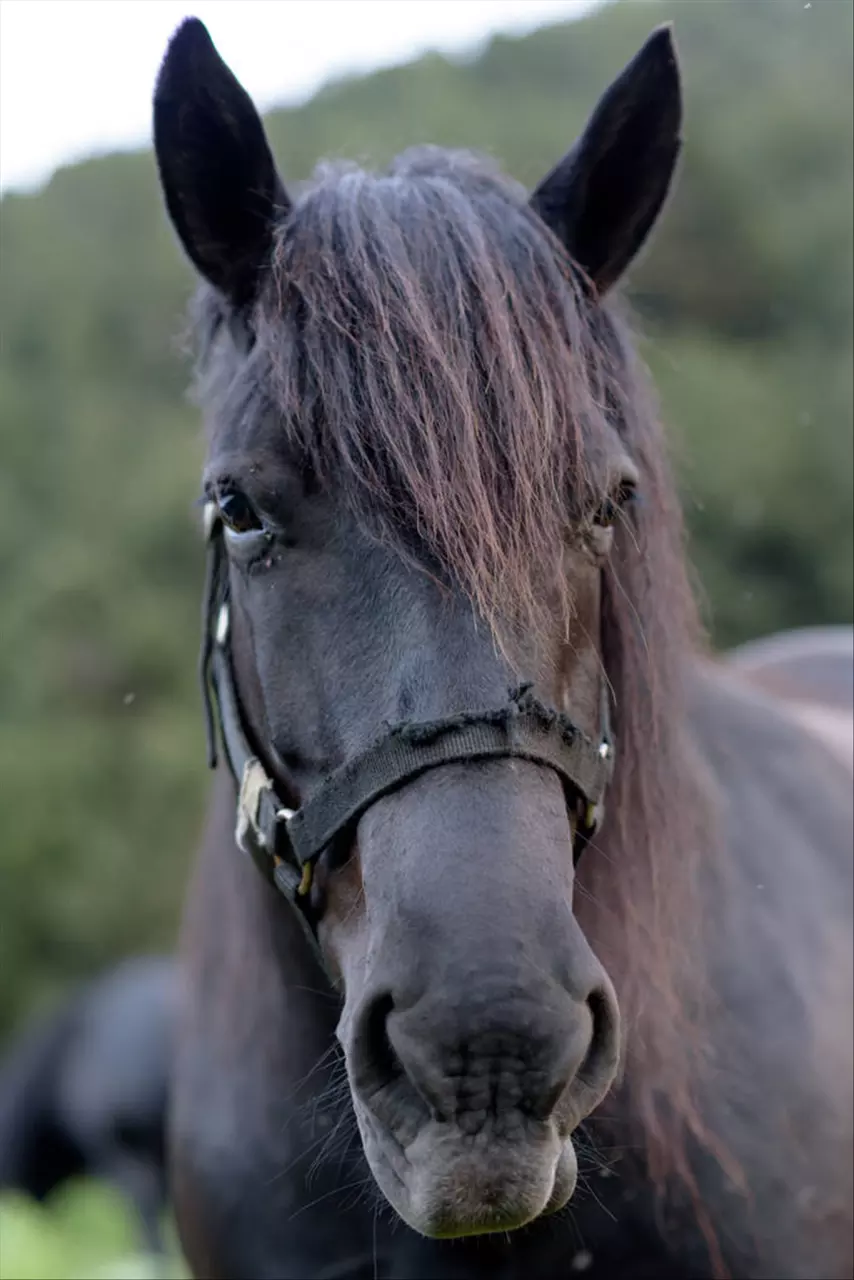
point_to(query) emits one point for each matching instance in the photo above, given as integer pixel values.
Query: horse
(812, 667)
(815, 664)
(83, 1091)
(519, 938)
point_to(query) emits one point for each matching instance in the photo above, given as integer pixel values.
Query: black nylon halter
(286, 843)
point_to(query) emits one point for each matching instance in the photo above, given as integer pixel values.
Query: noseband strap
(286, 843)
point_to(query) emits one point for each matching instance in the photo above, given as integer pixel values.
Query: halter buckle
(307, 874)
(252, 784)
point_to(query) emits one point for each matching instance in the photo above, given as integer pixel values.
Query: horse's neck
(254, 991)
(256, 1094)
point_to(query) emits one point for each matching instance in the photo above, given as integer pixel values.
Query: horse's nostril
(376, 1052)
(517, 1059)
(380, 1067)
(603, 1051)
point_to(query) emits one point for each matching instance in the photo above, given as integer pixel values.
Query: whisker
(328, 1195)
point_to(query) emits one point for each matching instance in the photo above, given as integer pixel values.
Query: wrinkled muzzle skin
(478, 1027)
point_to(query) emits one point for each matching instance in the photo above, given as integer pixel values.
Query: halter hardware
(285, 843)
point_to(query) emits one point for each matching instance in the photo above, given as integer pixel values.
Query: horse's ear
(603, 198)
(218, 176)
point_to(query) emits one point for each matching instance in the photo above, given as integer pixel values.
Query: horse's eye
(611, 507)
(607, 514)
(237, 513)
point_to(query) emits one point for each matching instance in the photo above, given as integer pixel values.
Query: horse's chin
(446, 1184)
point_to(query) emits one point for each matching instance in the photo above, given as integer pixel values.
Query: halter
(286, 843)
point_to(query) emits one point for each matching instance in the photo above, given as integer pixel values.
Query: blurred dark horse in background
(83, 1091)
(468, 1026)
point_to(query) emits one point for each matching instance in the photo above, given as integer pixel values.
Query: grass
(85, 1231)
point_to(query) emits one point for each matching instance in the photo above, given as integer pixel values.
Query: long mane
(434, 355)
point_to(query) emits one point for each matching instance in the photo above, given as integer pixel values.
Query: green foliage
(745, 299)
(83, 1232)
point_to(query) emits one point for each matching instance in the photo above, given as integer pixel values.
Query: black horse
(451, 652)
(84, 1090)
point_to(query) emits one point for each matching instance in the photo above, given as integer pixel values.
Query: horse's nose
(516, 1052)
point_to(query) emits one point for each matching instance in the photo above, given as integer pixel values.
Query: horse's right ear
(603, 198)
(216, 169)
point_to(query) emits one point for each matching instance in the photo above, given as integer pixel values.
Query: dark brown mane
(436, 358)
(443, 374)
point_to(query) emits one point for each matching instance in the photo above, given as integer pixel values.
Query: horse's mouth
(446, 1184)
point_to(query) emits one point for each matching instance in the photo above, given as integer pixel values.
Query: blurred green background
(86, 1231)
(744, 304)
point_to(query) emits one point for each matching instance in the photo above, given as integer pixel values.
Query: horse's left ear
(603, 198)
(216, 169)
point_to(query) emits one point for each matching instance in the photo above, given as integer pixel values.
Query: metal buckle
(253, 782)
(306, 876)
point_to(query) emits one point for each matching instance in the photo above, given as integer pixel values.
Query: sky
(76, 76)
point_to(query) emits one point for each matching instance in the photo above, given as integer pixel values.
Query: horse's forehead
(252, 433)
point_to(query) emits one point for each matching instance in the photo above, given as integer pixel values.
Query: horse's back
(812, 663)
(779, 911)
(812, 670)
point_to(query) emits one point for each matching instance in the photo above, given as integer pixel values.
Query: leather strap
(285, 843)
(406, 751)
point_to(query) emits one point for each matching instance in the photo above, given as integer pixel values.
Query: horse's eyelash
(216, 487)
